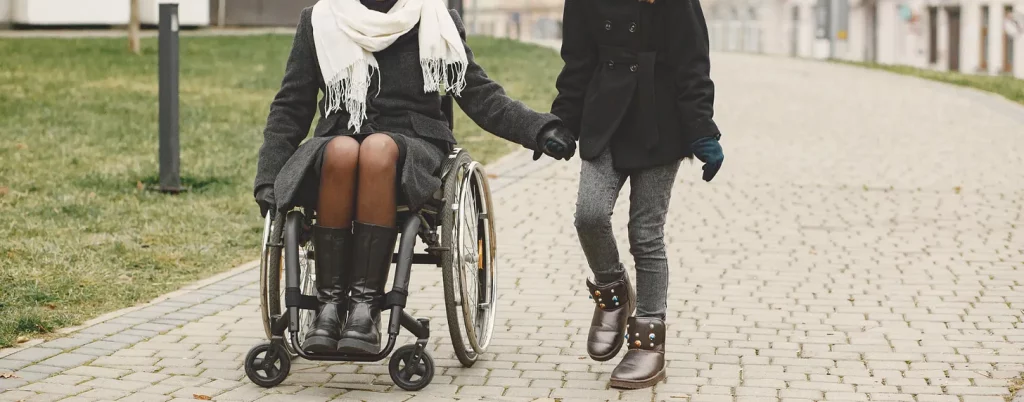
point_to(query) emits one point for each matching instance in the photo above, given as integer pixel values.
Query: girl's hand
(556, 142)
(709, 151)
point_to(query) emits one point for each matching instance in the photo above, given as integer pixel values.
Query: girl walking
(636, 89)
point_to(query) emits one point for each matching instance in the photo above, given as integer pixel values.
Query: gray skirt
(419, 169)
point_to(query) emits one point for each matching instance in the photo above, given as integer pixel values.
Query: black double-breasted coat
(636, 79)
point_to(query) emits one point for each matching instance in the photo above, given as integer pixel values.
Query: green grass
(79, 233)
(1009, 87)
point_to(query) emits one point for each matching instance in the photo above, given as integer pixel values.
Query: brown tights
(357, 180)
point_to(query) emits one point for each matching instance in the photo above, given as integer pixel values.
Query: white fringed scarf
(346, 35)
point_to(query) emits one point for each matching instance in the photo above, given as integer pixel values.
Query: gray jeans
(650, 191)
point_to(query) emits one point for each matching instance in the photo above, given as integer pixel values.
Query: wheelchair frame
(463, 204)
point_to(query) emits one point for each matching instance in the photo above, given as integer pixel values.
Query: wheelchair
(457, 227)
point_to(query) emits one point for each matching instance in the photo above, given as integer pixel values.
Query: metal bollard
(170, 177)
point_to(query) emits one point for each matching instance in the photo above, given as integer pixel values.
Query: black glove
(265, 199)
(557, 142)
(709, 151)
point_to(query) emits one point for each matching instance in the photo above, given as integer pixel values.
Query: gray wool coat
(400, 108)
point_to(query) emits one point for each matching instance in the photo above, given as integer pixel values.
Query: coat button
(611, 64)
(633, 68)
(632, 27)
(607, 25)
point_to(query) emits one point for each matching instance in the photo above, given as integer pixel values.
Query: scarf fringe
(437, 71)
(343, 89)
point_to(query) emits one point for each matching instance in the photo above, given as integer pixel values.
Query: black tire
(463, 350)
(270, 273)
(404, 368)
(272, 281)
(267, 365)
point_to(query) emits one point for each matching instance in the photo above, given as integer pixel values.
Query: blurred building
(969, 36)
(518, 19)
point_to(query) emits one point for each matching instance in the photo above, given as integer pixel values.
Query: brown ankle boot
(644, 363)
(614, 303)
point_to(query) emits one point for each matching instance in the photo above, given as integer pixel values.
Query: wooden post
(133, 28)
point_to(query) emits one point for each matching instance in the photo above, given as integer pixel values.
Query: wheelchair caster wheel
(267, 365)
(409, 371)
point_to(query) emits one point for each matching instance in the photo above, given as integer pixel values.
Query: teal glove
(709, 151)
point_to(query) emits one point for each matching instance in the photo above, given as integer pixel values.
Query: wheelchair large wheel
(468, 262)
(272, 283)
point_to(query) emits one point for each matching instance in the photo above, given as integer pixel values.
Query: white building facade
(96, 12)
(969, 36)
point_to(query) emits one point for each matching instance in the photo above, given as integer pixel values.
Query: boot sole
(638, 384)
(320, 345)
(357, 347)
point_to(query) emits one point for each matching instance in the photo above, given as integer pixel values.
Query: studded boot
(644, 363)
(614, 303)
(371, 261)
(332, 248)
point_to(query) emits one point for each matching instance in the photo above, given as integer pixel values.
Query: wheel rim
(307, 285)
(275, 306)
(265, 277)
(475, 256)
(409, 367)
(267, 364)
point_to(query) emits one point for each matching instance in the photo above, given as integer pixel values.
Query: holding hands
(557, 142)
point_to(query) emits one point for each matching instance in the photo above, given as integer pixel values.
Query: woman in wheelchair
(380, 140)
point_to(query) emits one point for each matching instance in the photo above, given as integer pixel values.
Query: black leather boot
(613, 303)
(371, 261)
(644, 363)
(332, 251)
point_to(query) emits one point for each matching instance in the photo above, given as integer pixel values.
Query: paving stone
(33, 354)
(47, 388)
(115, 361)
(104, 394)
(43, 369)
(15, 395)
(105, 329)
(11, 364)
(67, 360)
(145, 397)
(92, 371)
(67, 379)
(122, 385)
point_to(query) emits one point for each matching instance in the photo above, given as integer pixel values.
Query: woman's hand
(265, 199)
(557, 142)
(709, 151)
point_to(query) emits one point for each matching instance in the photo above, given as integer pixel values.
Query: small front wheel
(267, 365)
(409, 370)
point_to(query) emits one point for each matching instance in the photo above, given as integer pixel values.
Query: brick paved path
(863, 242)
